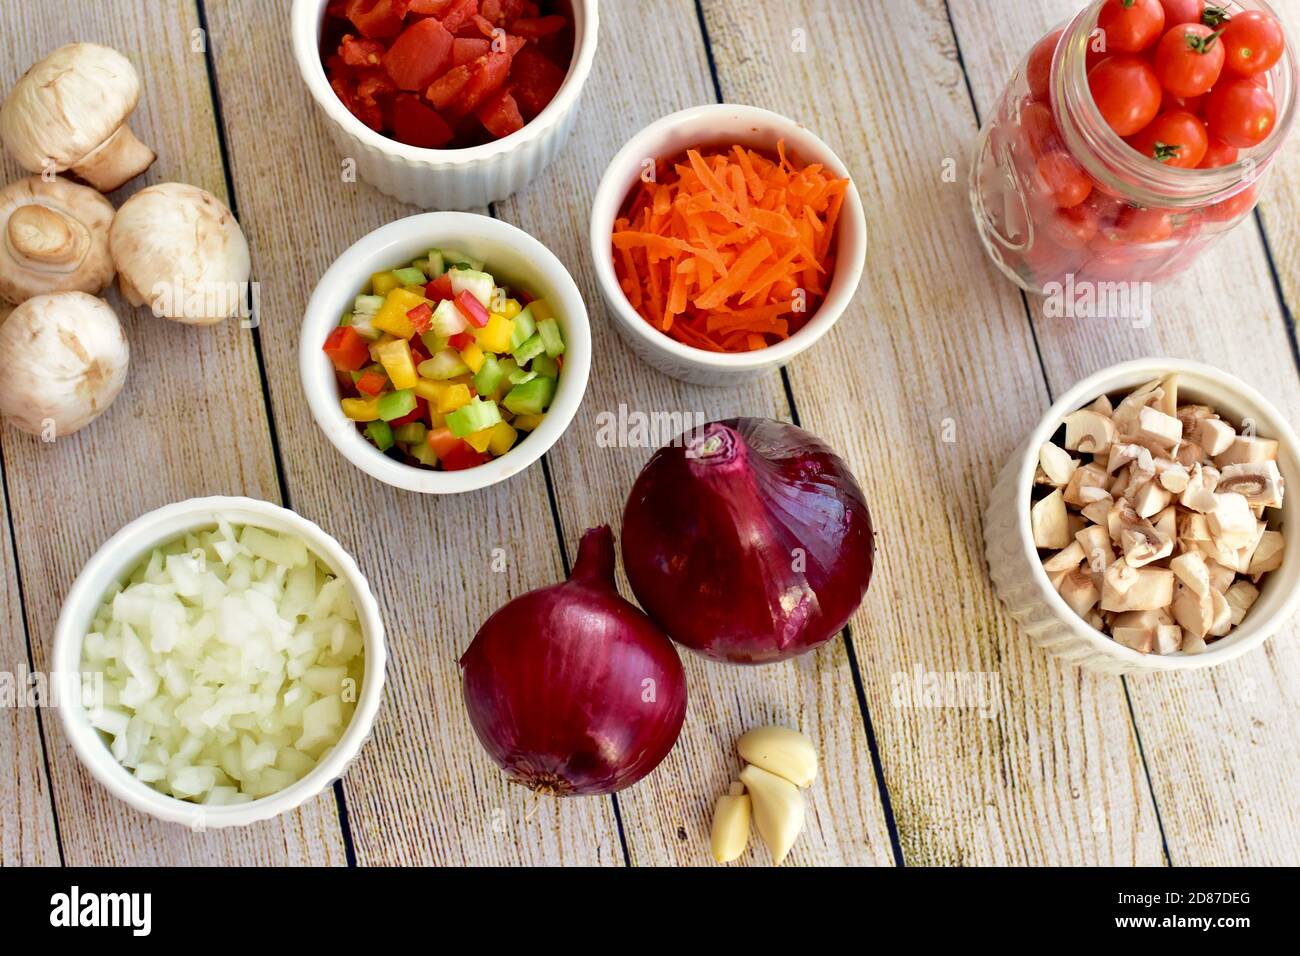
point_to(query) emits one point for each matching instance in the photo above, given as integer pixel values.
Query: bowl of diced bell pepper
(445, 352)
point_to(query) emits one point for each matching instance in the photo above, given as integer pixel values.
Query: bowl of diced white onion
(219, 661)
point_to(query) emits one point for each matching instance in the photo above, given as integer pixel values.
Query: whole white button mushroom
(69, 112)
(53, 238)
(179, 250)
(63, 359)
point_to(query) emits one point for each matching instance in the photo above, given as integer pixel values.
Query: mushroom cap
(76, 247)
(179, 249)
(63, 359)
(67, 105)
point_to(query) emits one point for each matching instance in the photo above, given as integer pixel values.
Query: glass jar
(1141, 220)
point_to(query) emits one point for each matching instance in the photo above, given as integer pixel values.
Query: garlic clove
(778, 809)
(782, 751)
(730, 836)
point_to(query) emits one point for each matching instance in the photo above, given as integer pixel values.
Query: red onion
(570, 688)
(749, 541)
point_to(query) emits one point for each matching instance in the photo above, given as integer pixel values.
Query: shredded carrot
(729, 250)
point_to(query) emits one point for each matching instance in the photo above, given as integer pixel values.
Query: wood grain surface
(926, 385)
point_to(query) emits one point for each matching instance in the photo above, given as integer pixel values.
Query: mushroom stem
(43, 235)
(114, 161)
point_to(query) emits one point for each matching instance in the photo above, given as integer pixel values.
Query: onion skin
(750, 542)
(555, 683)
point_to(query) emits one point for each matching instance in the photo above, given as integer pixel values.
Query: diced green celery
(532, 397)
(447, 319)
(364, 327)
(346, 320)
(524, 328)
(489, 376)
(381, 433)
(549, 330)
(478, 284)
(474, 417)
(436, 265)
(545, 365)
(508, 365)
(396, 404)
(422, 265)
(424, 454)
(411, 433)
(433, 342)
(410, 276)
(530, 349)
(521, 376)
(368, 304)
(444, 365)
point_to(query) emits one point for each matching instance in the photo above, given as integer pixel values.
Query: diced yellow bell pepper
(503, 438)
(396, 358)
(382, 283)
(437, 419)
(541, 311)
(479, 441)
(429, 390)
(526, 423)
(512, 308)
(391, 316)
(361, 409)
(495, 336)
(455, 396)
(472, 356)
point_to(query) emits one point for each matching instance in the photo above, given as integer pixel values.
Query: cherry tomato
(1071, 228)
(1240, 113)
(1126, 91)
(1217, 153)
(1135, 226)
(1232, 207)
(1038, 69)
(1037, 127)
(1192, 104)
(1064, 178)
(1131, 25)
(1182, 11)
(1189, 59)
(1175, 139)
(1252, 42)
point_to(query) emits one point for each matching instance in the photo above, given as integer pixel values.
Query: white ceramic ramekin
(510, 254)
(447, 178)
(712, 125)
(1018, 575)
(114, 561)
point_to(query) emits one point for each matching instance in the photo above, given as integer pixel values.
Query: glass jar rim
(1114, 163)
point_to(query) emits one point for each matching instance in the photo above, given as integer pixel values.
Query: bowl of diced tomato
(447, 104)
(445, 352)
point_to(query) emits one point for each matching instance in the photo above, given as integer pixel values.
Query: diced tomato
(457, 13)
(372, 382)
(429, 7)
(461, 341)
(485, 27)
(419, 55)
(487, 74)
(374, 85)
(347, 349)
(534, 28)
(417, 125)
(447, 87)
(377, 18)
(358, 52)
(420, 317)
(467, 49)
(418, 414)
(439, 289)
(500, 115)
(472, 309)
(501, 12)
(535, 80)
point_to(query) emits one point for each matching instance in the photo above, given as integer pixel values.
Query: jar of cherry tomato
(1130, 139)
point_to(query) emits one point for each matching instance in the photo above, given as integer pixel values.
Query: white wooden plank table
(925, 386)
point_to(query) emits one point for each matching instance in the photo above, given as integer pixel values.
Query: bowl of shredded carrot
(727, 239)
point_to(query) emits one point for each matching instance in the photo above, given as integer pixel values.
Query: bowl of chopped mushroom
(1143, 525)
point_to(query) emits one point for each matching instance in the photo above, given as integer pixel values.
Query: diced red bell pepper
(439, 289)
(417, 125)
(457, 13)
(420, 413)
(472, 309)
(443, 442)
(461, 341)
(462, 457)
(358, 52)
(500, 114)
(534, 28)
(372, 382)
(347, 349)
(418, 352)
(420, 317)
(419, 55)
(377, 18)
(468, 49)
(535, 81)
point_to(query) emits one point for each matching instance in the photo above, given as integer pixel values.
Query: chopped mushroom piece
(1173, 476)
(1051, 529)
(1214, 435)
(69, 112)
(1087, 484)
(1067, 559)
(1056, 463)
(1095, 542)
(1079, 590)
(1151, 499)
(1158, 430)
(1246, 448)
(1267, 556)
(1221, 623)
(1259, 482)
(1169, 638)
(1221, 576)
(1241, 596)
(1194, 612)
(1232, 523)
(1190, 569)
(1126, 588)
(1089, 432)
(55, 238)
